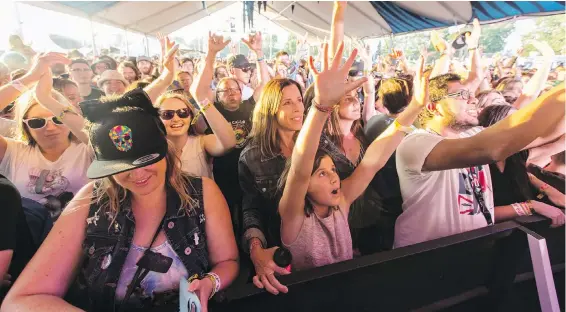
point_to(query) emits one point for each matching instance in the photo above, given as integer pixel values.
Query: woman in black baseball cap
(140, 198)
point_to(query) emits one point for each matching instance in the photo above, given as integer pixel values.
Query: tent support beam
(281, 12)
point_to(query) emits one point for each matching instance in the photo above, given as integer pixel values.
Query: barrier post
(543, 271)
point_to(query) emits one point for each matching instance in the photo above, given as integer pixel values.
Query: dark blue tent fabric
(402, 20)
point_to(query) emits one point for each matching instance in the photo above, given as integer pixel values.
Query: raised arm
(476, 71)
(160, 85)
(329, 88)
(200, 89)
(337, 27)
(532, 89)
(503, 139)
(47, 277)
(369, 86)
(254, 43)
(442, 65)
(59, 106)
(223, 139)
(381, 149)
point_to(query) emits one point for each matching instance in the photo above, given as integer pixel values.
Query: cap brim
(104, 168)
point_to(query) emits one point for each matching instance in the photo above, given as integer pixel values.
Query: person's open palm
(254, 41)
(329, 84)
(420, 84)
(216, 43)
(43, 62)
(473, 39)
(168, 50)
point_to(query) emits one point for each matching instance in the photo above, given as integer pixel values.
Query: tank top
(321, 241)
(194, 160)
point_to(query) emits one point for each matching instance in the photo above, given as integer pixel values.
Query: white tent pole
(126, 39)
(94, 51)
(146, 45)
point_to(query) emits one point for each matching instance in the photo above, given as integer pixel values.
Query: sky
(38, 23)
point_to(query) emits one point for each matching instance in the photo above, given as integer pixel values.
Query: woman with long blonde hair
(48, 155)
(195, 151)
(135, 231)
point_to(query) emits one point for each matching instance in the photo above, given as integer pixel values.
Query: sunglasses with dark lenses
(168, 114)
(245, 69)
(38, 123)
(510, 99)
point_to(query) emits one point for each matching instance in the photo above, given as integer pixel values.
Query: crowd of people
(150, 171)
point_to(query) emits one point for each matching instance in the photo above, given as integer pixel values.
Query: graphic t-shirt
(439, 203)
(38, 178)
(225, 168)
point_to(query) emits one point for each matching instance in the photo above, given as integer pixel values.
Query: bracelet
(203, 108)
(260, 59)
(64, 111)
(323, 109)
(518, 209)
(19, 86)
(471, 49)
(215, 279)
(400, 127)
(542, 191)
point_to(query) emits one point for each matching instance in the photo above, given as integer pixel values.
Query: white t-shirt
(438, 203)
(36, 177)
(194, 160)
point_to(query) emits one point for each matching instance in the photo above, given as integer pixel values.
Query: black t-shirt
(225, 168)
(14, 231)
(95, 94)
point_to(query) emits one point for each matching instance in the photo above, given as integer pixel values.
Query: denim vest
(107, 244)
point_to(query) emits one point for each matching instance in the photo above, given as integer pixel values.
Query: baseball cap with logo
(125, 133)
(239, 61)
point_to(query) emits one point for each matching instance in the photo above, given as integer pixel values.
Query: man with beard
(145, 66)
(443, 174)
(237, 110)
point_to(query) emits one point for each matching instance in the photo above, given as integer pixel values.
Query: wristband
(400, 127)
(323, 109)
(215, 279)
(19, 86)
(64, 111)
(203, 108)
(518, 209)
(260, 59)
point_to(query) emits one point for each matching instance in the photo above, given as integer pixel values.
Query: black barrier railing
(428, 276)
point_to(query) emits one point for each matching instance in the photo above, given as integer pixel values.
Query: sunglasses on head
(38, 123)
(168, 114)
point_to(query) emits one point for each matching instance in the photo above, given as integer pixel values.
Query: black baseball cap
(239, 61)
(125, 133)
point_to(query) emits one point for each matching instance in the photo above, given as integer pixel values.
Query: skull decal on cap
(121, 136)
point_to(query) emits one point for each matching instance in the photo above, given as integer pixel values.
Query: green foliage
(493, 37)
(550, 29)
(291, 44)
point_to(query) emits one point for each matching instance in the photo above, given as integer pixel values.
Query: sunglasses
(510, 99)
(38, 123)
(463, 94)
(168, 114)
(245, 69)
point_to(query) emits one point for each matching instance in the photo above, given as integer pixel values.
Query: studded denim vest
(107, 244)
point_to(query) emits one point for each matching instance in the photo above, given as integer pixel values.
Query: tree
(493, 37)
(551, 30)
(291, 44)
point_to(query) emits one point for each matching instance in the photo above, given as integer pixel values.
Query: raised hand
(216, 43)
(363, 52)
(420, 85)
(254, 42)
(329, 85)
(438, 42)
(473, 39)
(42, 63)
(168, 51)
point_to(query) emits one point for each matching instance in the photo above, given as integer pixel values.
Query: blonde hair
(264, 120)
(110, 196)
(22, 106)
(183, 98)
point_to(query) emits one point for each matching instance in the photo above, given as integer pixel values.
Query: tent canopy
(364, 19)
